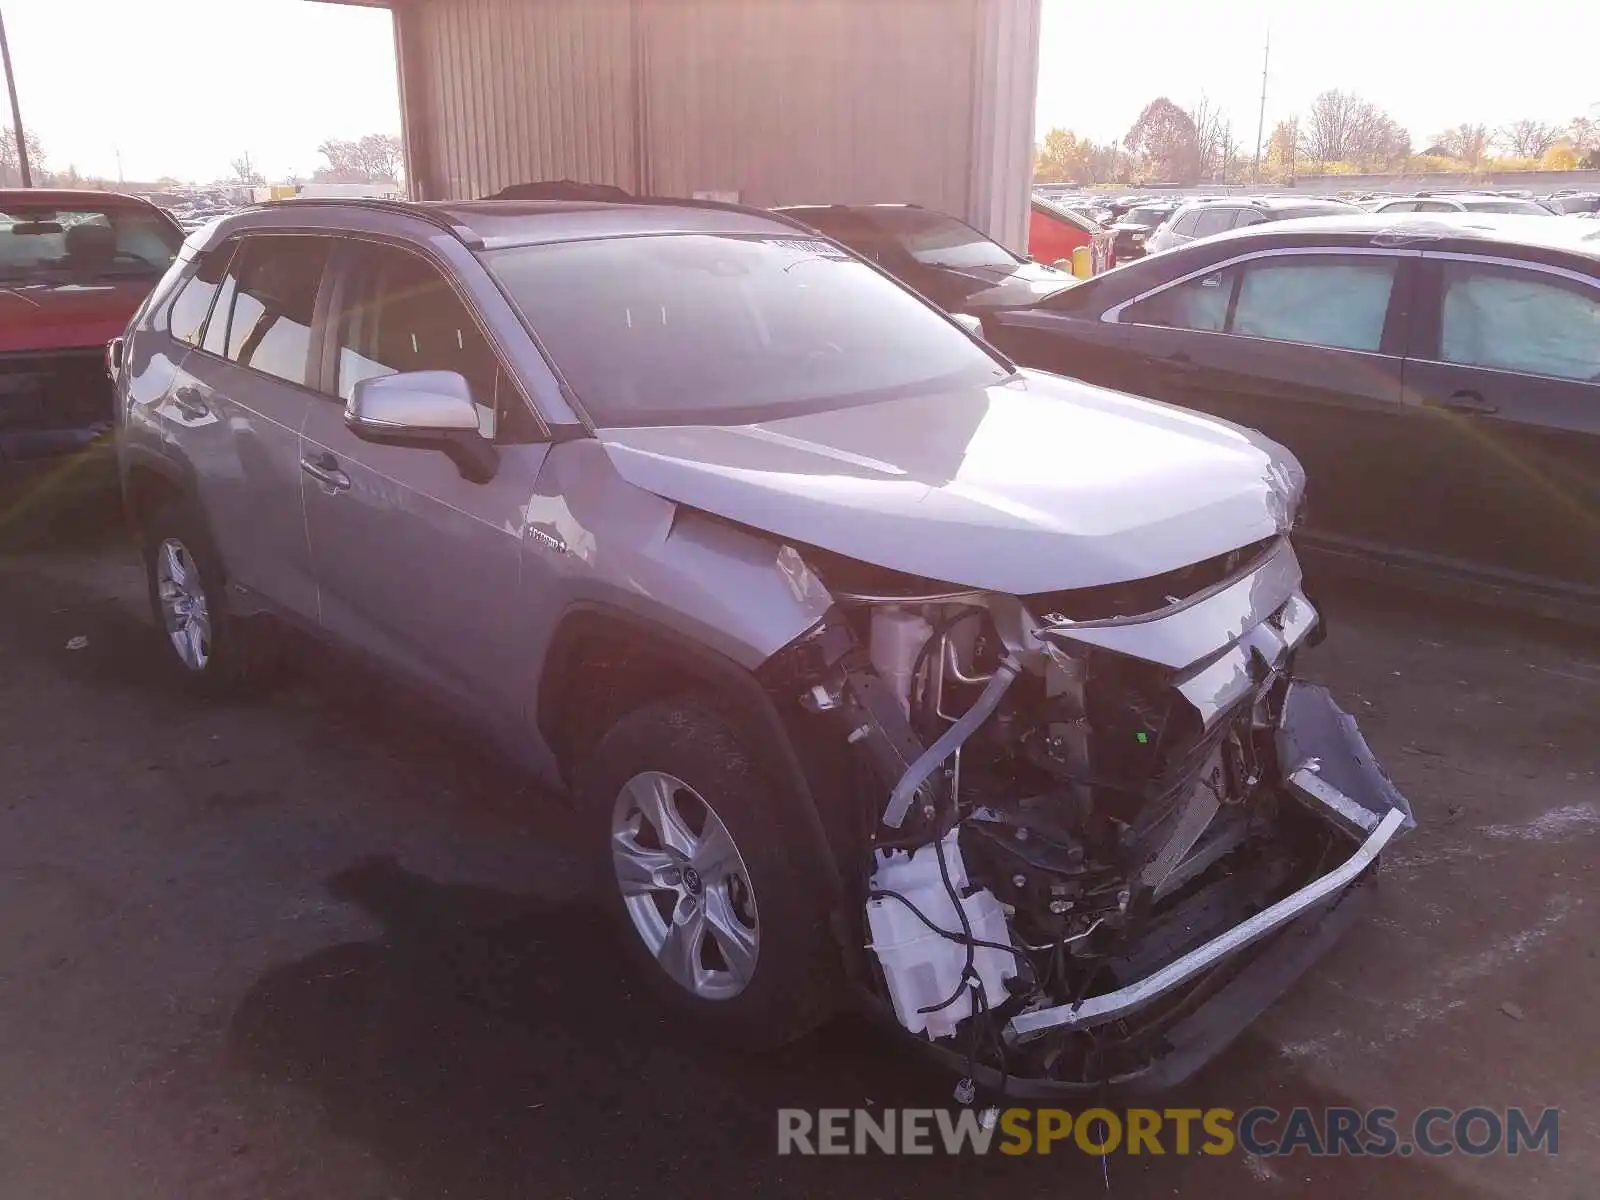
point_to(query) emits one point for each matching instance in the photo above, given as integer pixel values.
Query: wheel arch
(605, 661)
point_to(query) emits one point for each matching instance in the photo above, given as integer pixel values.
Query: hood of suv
(1038, 484)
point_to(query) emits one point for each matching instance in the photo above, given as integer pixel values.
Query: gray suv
(881, 672)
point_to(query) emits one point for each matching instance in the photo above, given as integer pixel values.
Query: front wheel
(712, 909)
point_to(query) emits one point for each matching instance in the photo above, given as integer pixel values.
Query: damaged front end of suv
(1102, 828)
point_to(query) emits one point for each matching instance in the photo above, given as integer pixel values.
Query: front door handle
(1465, 401)
(324, 468)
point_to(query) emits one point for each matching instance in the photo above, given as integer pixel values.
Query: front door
(1506, 369)
(416, 565)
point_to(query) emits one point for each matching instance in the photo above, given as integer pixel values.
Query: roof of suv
(492, 224)
(1572, 237)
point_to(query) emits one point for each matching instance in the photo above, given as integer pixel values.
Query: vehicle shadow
(488, 1045)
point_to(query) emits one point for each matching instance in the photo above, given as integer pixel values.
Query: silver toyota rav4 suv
(883, 673)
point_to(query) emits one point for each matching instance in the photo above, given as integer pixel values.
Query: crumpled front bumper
(1328, 768)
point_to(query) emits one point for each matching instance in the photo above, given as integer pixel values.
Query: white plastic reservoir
(923, 968)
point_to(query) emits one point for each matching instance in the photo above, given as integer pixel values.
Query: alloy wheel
(184, 611)
(685, 885)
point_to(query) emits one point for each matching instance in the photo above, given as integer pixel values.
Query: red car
(74, 268)
(1055, 232)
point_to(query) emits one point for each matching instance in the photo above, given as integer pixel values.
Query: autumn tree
(1341, 127)
(1165, 143)
(1528, 139)
(1278, 162)
(1467, 142)
(10, 167)
(374, 158)
(1063, 158)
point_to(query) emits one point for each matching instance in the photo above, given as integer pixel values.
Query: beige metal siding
(779, 101)
(513, 90)
(849, 101)
(1006, 65)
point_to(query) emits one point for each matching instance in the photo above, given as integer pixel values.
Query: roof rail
(437, 217)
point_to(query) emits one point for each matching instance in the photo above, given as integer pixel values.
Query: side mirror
(431, 410)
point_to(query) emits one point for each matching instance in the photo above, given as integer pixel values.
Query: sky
(183, 87)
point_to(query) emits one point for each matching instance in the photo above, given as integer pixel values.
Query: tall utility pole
(16, 109)
(1261, 119)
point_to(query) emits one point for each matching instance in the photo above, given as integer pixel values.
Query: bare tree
(374, 158)
(10, 166)
(1217, 152)
(245, 171)
(1528, 139)
(1342, 127)
(1584, 134)
(1469, 143)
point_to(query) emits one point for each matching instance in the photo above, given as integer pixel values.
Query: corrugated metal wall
(781, 101)
(513, 90)
(849, 101)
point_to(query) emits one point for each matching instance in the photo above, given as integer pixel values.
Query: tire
(682, 753)
(222, 657)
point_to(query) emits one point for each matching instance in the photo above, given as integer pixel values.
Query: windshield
(1147, 216)
(688, 329)
(1523, 207)
(1315, 208)
(936, 240)
(44, 242)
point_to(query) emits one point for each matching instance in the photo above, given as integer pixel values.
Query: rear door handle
(324, 468)
(191, 403)
(1465, 401)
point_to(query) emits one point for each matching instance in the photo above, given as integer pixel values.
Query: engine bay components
(1082, 826)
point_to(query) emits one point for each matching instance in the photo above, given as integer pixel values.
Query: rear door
(417, 566)
(1505, 369)
(1305, 345)
(237, 403)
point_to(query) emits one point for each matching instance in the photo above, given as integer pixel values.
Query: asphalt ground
(321, 944)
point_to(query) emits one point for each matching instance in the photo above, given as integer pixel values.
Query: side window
(1518, 320)
(190, 307)
(216, 334)
(1184, 225)
(1435, 206)
(1338, 301)
(1215, 219)
(1249, 216)
(1325, 300)
(1200, 303)
(402, 315)
(1399, 206)
(274, 294)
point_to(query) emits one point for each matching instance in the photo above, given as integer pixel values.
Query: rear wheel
(713, 912)
(207, 647)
